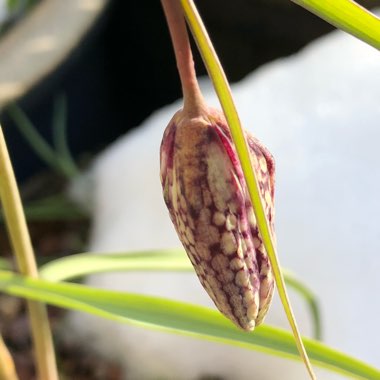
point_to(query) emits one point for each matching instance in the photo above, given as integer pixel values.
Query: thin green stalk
(223, 91)
(22, 246)
(39, 144)
(7, 366)
(310, 298)
(60, 135)
(31, 135)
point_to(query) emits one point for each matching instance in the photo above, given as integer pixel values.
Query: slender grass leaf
(310, 298)
(84, 264)
(348, 16)
(37, 142)
(60, 134)
(178, 317)
(33, 137)
(224, 94)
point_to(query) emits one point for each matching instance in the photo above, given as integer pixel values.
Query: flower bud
(209, 205)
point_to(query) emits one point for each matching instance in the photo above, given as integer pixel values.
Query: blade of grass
(38, 143)
(182, 318)
(60, 134)
(22, 247)
(311, 300)
(7, 367)
(223, 91)
(34, 139)
(83, 264)
(348, 16)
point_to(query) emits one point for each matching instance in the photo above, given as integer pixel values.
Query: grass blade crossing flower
(191, 106)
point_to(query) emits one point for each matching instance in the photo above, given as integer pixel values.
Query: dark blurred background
(124, 69)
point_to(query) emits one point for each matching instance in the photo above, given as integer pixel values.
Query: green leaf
(311, 300)
(39, 145)
(32, 136)
(178, 317)
(83, 264)
(59, 124)
(348, 16)
(161, 260)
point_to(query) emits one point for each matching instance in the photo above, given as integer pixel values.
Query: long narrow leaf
(348, 16)
(224, 94)
(33, 137)
(60, 135)
(178, 317)
(292, 282)
(84, 264)
(38, 143)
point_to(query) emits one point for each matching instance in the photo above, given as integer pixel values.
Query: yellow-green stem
(22, 247)
(223, 91)
(7, 367)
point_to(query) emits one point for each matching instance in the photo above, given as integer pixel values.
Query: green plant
(23, 250)
(157, 313)
(57, 157)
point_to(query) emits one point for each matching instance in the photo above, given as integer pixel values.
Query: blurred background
(105, 65)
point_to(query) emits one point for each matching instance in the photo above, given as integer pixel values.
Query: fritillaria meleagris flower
(208, 201)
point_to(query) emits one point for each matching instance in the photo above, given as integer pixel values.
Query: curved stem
(310, 298)
(223, 91)
(62, 150)
(192, 95)
(22, 246)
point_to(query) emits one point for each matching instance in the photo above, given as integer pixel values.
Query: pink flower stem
(192, 96)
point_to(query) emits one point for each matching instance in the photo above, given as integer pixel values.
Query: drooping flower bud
(208, 201)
